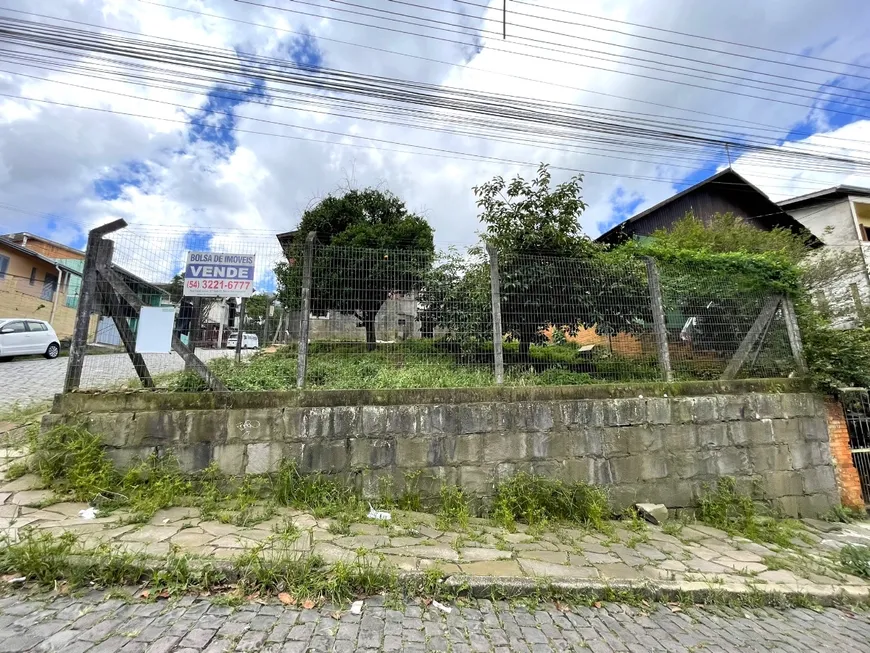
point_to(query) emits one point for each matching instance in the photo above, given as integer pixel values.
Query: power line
(644, 50)
(385, 88)
(745, 124)
(694, 36)
(431, 151)
(570, 63)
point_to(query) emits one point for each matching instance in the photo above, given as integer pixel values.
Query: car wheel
(53, 350)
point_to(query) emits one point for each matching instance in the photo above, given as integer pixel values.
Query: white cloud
(51, 156)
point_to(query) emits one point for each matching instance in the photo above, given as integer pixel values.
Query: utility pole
(504, 20)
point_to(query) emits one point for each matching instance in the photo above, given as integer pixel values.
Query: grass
(537, 500)
(454, 511)
(856, 560)
(736, 513)
(417, 364)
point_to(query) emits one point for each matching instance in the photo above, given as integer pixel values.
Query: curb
(761, 594)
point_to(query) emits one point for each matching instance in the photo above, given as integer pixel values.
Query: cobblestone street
(189, 626)
(27, 381)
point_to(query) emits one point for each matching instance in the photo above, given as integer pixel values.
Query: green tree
(551, 272)
(369, 247)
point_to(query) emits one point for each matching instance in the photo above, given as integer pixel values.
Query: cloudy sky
(76, 150)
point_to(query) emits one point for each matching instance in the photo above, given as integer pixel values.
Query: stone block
(652, 439)
(816, 505)
(731, 461)
(432, 479)
(759, 433)
(542, 445)
(478, 481)
(713, 436)
(262, 458)
(704, 410)
(412, 453)
(374, 420)
(193, 457)
(213, 426)
(503, 447)
(658, 410)
(633, 469)
(819, 480)
(373, 483)
(346, 421)
(531, 417)
(770, 458)
(790, 506)
(401, 421)
(681, 437)
(441, 451)
(820, 453)
(372, 453)
(737, 435)
(253, 425)
(800, 455)
(476, 418)
(548, 468)
(586, 442)
(594, 471)
(813, 428)
(230, 458)
(781, 484)
(125, 458)
(469, 448)
(686, 464)
(624, 412)
(617, 441)
(436, 420)
(575, 413)
(667, 491)
(328, 456)
(732, 407)
(800, 405)
(768, 405)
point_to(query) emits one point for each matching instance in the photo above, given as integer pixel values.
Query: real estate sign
(209, 274)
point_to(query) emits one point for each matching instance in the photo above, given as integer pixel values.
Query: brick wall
(848, 481)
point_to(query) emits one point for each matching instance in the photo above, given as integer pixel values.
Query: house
(724, 192)
(35, 270)
(840, 272)
(37, 286)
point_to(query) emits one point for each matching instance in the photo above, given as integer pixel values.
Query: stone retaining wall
(644, 443)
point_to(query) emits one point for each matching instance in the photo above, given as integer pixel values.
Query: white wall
(839, 264)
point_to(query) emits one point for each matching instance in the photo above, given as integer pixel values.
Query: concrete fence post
(794, 335)
(497, 332)
(658, 314)
(241, 331)
(305, 310)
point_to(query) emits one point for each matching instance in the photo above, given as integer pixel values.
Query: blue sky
(204, 171)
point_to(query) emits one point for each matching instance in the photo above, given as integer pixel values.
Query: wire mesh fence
(856, 407)
(324, 315)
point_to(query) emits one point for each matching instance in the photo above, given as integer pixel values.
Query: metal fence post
(305, 310)
(241, 332)
(794, 335)
(658, 313)
(497, 333)
(87, 295)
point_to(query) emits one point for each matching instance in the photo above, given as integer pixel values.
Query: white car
(24, 337)
(249, 341)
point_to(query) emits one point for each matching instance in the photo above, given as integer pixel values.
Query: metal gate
(856, 406)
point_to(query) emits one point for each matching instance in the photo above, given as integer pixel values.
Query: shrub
(453, 510)
(856, 560)
(71, 459)
(737, 513)
(538, 499)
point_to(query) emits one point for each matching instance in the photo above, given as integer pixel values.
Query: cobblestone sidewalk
(691, 557)
(191, 626)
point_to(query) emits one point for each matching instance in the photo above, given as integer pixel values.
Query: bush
(738, 514)
(71, 459)
(538, 499)
(856, 560)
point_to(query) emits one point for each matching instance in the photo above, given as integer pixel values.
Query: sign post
(210, 274)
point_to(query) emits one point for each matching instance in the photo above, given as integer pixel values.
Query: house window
(319, 314)
(401, 322)
(4, 265)
(865, 232)
(32, 276)
(49, 286)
